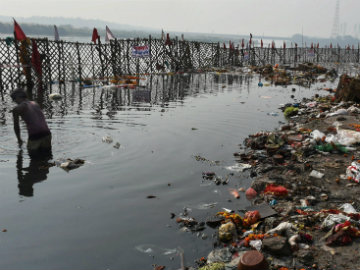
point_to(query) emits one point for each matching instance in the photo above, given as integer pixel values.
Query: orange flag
(19, 34)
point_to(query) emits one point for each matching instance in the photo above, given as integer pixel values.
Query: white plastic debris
(337, 112)
(353, 171)
(55, 96)
(333, 219)
(348, 208)
(107, 139)
(353, 109)
(311, 104)
(316, 174)
(239, 167)
(256, 244)
(346, 136)
(284, 227)
(317, 134)
(293, 239)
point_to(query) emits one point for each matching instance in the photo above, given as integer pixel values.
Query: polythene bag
(317, 134)
(347, 136)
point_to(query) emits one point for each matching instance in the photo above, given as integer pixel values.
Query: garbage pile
(303, 75)
(304, 193)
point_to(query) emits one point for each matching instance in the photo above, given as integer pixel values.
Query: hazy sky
(260, 17)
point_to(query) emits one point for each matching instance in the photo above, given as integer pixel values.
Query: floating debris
(107, 139)
(70, 164)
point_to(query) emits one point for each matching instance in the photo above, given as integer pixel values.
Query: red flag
(35, 58)
(273, 44)
(261, 43)
(284, 45)
(168, 41)
(330, 45)
(19, 34)
(95, 35)
(312, 45)
(242, 43)
(224, 46)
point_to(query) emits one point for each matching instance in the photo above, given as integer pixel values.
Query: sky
(281, 18)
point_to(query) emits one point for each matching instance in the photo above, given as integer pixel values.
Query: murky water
(98, 216)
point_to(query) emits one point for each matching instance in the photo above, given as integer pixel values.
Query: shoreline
(307, 206)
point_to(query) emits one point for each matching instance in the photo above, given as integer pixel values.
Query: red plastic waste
(250, 193)
(276, 190)
(251, 217)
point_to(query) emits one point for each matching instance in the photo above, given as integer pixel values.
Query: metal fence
(63, 61)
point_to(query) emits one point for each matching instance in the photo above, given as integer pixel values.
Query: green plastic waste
(290, 111)
(329, 147)
(214, 266)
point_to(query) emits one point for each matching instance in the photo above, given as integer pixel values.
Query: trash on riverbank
(304, 190)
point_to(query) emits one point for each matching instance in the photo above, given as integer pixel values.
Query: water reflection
(36, 172)
(154, 90)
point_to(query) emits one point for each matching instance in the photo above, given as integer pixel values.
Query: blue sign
(140, 51)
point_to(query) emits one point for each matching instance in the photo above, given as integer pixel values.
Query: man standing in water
(39, 141)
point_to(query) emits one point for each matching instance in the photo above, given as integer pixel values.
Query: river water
(98, 216)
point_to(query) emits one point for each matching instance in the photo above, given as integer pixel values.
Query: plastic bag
(333, 219)
(338, 112)
(251, 217)
(353, 172)
(348, 208)
(347, 136)
(317, 134)
(316, 174)
(250, 193)
(284, 228)
(256, 244)
(276, 190)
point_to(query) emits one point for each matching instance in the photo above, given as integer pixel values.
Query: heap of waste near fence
(304, 193)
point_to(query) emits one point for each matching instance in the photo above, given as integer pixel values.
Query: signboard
(311, 53)
(140, 51)
(246, 56)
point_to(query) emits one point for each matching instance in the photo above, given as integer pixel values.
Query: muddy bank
(304, 193)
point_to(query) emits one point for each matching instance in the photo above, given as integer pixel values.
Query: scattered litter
(316, 174)
(353, 172)
(70, 164)
(205, 206)
(256, 244)
(348, 208)
(117, 145)
(239, 167)
(55, 97)
(107, 139)
(263, 209)
(235, 193)
(250, 193)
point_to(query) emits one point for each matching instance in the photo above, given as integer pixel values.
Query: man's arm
(16, 117)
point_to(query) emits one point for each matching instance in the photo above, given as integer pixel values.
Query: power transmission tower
(336, 25)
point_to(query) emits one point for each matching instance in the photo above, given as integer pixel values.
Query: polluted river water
(114, 212)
